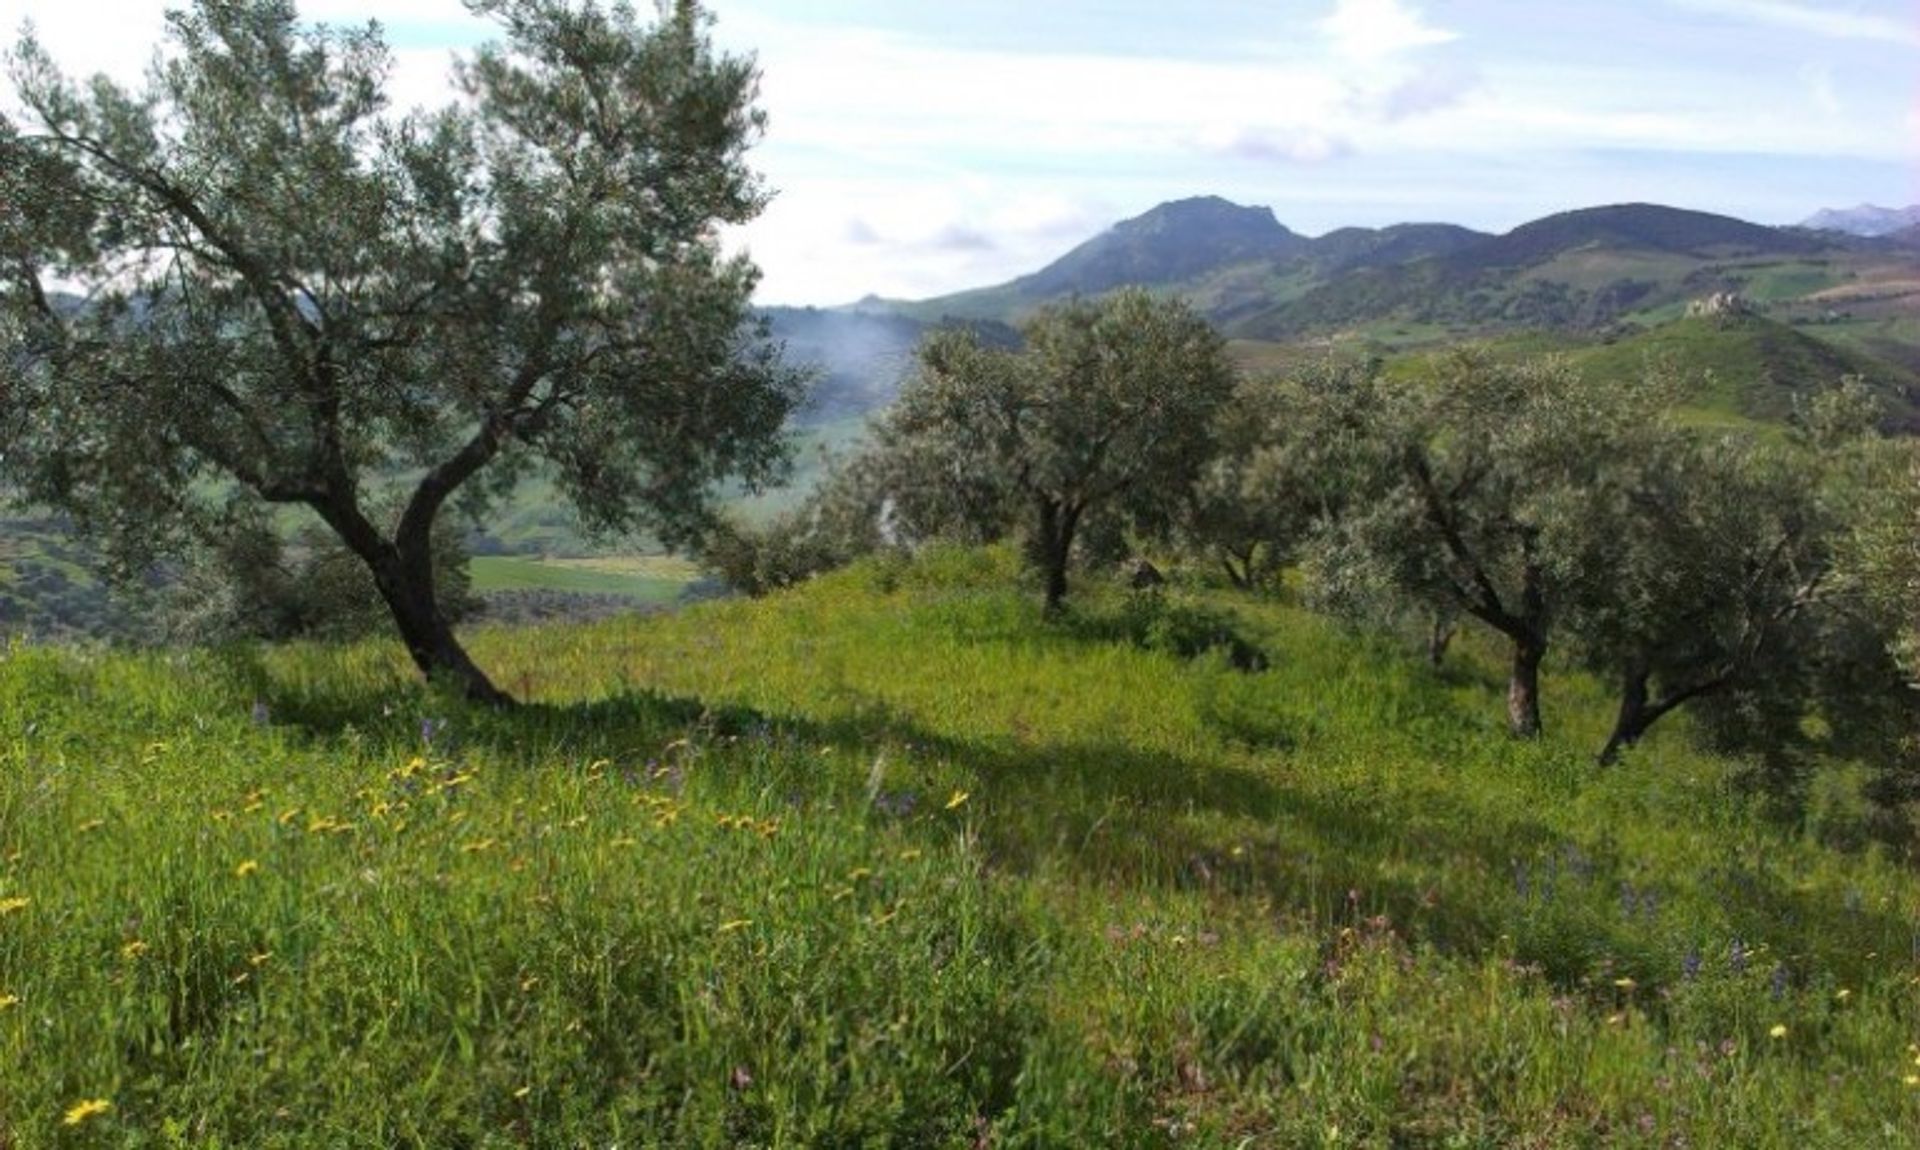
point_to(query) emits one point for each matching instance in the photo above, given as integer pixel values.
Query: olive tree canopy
(293, 295)
(1108, 409)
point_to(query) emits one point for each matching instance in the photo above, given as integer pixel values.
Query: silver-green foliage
(292, 290)
(1108, 410)
(1484, 481)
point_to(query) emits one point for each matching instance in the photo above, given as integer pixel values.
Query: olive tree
(1290, 457)
(1108, 409)
(294, 295)
(1487, 479)
(1726, 581)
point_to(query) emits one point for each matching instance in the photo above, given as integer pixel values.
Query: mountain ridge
(1864, 219)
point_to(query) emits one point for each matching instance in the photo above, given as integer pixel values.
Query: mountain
(1809, 304)
(1173, 242)
(1864, 220)
(1579, 271)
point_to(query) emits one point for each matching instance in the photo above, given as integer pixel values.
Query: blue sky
(921, 148)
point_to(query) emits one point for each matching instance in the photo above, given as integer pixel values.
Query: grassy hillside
(890, 861)
(1751, 367)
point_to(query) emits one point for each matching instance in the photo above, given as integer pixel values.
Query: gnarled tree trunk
(403, 572)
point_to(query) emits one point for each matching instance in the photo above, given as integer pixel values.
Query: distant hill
(1643, 228)
(1864, 220)
(1750, 367)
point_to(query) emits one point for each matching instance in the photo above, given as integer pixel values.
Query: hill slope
(1753, 367)
(889, 860)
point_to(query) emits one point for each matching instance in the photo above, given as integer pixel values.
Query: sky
(916, 149)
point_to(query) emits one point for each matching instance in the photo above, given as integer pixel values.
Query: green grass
(889, 860)
(1744, 367)
(647, 579)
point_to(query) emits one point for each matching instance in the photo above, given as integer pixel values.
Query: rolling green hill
(890, 860)
(1753, 367)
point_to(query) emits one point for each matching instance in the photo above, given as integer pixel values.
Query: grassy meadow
(888, 860)
(644, 578)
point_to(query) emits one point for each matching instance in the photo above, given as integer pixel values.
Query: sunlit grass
(889, 860)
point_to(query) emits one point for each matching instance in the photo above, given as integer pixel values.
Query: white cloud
(1829, 20)
(1266, 144)
(1820, 88)
(1371, 30)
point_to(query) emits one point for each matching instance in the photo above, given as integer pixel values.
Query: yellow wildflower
(260, 959)
(1912, 1080)
(9, 1001)
(1779, 1030)
(523, 1092)
(287, 816)
(1625, 983)
(246, 867)
(9, 905)
(133, 949)
(81, 1111)
(1843, 994)
(958, 800)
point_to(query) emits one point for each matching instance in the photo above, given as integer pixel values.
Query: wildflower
(1779, 1030)
(260, 959)
(1625, 983)
(9, 1001)
(81, 1111)
(1912, 1080)
(1842, 994)
(9, 905)
(133, 949)
(957, 800)
(247, 867)
(523, 1092)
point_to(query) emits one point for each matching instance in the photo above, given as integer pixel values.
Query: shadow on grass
(1115, 815)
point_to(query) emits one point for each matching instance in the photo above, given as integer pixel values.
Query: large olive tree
(292, 295)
